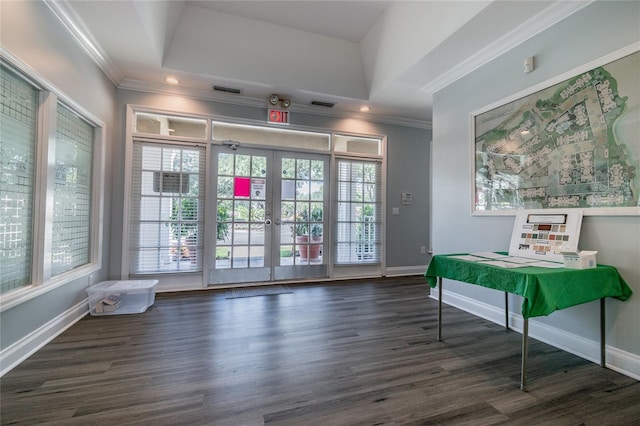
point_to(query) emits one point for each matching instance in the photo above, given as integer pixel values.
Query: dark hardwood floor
(351, 353)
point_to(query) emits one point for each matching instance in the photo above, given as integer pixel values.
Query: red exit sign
(278, 116)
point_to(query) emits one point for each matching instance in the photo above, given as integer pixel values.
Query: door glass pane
(302, 190)
(257, 211)
(302, 169)
(240, 258)
(256, 256)
(259, 167)
(317, 190)
(225, 187)
(288, 189)
(243, 165)
(288, 168)
(317, 170)
(225, 164)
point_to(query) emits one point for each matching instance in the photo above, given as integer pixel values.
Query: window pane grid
(358, 224)
(18, 121)
(240, 216)
(167, 209)
(302, 211)
(71, 225)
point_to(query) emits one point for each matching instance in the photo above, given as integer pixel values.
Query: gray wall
(31, 33)
(407, 170)
(591, 33)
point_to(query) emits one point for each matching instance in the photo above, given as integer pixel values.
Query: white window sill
(26, 293)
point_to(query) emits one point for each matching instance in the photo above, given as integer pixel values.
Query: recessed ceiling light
(172, 80)
(365, 109)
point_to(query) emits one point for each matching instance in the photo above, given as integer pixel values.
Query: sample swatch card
(542, 234)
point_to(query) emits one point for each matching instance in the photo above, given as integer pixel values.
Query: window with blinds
(167, 209)
(358, 221)
(18, 121)
(71, 225)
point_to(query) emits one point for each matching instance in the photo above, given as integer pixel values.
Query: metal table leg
(439, 309)
(506, 310)
(525, 350)
(603, 353)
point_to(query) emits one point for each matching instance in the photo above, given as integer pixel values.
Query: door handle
(267, 222)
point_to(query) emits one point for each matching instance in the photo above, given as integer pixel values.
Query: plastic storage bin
(121, 297)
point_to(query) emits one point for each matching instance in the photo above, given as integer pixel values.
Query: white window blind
(358, 225)
(18, 123)
(167, 209)
(71, 226)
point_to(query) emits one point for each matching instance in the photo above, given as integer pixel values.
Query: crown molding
(64, 12)
(209, 95)
(74, 25)
(532, 27)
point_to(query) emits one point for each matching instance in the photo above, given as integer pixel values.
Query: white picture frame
(582, 157)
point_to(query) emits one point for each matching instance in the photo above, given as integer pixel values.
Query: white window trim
(42, 282)
(346, 271)
(130, 137)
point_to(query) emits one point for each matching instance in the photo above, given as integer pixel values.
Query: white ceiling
(390, 55)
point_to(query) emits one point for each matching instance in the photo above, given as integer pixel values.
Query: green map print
(574, 144)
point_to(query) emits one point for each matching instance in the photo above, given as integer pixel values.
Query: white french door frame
(187, 281)
(309, 270)
(224, 271)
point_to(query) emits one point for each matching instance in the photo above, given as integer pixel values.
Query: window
(50, 191)
(169, 125)
(18, 121)
(167, 209)
(70, 242)
(165, 231)
(357, 144)
(358, 224)
(290, 139)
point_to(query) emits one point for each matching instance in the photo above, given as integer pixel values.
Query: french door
(271, 215)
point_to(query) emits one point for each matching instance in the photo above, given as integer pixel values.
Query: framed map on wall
(569, 143)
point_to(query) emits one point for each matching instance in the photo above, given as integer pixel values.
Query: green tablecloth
(545, 289)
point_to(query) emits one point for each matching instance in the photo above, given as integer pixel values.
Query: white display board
(542, 234)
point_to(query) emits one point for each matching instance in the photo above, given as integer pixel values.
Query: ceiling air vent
(226, 89)
(323, 104)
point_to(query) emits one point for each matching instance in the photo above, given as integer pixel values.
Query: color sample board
(542, 234)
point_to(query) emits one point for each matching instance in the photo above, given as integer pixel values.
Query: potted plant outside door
(308, 234)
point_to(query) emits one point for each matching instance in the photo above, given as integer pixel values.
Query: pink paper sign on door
(241, 186)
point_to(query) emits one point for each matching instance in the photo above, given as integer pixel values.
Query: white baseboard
(399, 271)
(623, 362)
(13, 355)
(618, 360)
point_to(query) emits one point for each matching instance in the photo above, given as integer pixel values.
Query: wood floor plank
(360, 352)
